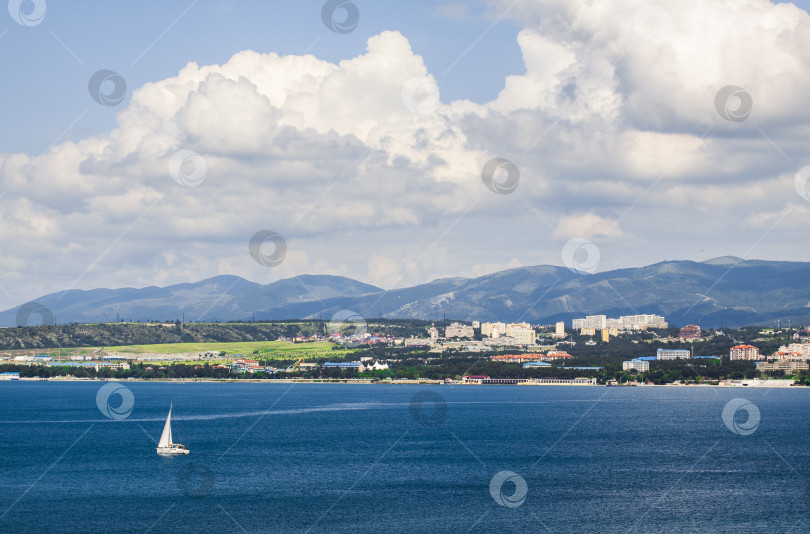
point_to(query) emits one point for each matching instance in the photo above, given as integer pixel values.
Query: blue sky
(367, 152)
(44, 87)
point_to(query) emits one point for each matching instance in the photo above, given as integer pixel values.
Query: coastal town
(595, 349)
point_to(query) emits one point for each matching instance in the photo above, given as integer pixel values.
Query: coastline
(397, 382)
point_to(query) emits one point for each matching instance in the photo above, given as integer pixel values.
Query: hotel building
(690, 331)
(458, 330)
(673, 354)
(625, 322)
(641, 366)
(787, 366)
(745, 352)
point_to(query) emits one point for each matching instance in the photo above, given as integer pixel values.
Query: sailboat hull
(172, 450)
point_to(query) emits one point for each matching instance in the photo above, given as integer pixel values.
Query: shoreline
(395, 382)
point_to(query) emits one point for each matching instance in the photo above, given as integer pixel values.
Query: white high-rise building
(745, 352)
(597, 322)
(511, 327)
(559, 329)
(642, 322)
(523, 335)
(494, 330)
(625, 322)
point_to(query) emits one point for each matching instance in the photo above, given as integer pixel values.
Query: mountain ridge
(725, 291)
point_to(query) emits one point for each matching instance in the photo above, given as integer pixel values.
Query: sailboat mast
(166, 436)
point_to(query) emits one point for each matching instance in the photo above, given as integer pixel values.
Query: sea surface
(387, 458)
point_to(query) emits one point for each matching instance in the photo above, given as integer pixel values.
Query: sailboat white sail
(166, 437)
(165, 445)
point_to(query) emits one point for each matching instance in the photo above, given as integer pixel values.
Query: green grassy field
(267, 349)
(56, 353)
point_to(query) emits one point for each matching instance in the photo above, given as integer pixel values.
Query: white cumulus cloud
(612, 126)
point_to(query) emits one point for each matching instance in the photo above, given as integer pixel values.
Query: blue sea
(388, 458)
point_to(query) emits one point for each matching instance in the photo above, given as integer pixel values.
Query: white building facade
(672, 354)
(523, 335)
(625, 322)
(458, 330)
(494, 330)
(641, 366)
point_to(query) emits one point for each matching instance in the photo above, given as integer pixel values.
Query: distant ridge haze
(723, 291)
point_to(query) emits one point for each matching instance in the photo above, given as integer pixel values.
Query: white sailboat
(165, 445)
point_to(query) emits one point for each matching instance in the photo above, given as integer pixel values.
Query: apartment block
(494, 330)
(788, 366)
(641, 366)
(523, 335)
(745, 352)
(458, 330)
